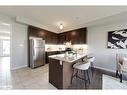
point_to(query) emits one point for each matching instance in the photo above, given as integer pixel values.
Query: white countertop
(53, 50)
(68, 59)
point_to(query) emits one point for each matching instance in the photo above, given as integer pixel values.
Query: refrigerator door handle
(33, 48)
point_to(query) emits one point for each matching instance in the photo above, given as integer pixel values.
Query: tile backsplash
(54, 47)
(79, 48)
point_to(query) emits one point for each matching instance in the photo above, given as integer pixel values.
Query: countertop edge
(67, 60)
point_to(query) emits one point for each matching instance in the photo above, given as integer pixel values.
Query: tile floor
(24, 78)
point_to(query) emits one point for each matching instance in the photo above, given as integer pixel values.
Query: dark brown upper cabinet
(68, 36)
(74, 36)
(49, 37)
(36, 32)
(61, 38)
(81, 36)
(77, 36)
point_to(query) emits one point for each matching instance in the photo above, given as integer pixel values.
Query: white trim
(18, 67)
(104, 69)
(35, 38)
(10, 46)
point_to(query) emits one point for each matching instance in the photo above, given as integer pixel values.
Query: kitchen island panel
(55, 73)
(67, 73)
(60, 70)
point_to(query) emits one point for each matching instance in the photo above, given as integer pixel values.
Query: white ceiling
(71, 17)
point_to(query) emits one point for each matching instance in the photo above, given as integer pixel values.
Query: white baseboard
(18, 67)
(94, 67)
(105, 69)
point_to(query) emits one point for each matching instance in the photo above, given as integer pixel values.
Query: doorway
(4, 54)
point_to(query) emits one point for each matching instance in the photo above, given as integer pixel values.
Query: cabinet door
(78, 36)
(50, 38)
(61, 38)
(68, 36)
(83, 36)
(42, 34)
(36, 32)
(75, 37)
(48, 54)
(54, 38)
(32, 32)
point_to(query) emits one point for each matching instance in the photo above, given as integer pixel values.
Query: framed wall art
(117, 39)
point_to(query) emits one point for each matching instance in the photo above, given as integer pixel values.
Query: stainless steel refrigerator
(37, 52)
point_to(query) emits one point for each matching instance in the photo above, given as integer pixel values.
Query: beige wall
(97, 44)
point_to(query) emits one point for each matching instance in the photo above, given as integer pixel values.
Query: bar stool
(91, 60)
(82, 66)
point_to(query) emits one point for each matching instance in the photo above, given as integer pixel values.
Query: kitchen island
(60, 69)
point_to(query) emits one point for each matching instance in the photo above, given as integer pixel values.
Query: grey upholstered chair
(121, 65)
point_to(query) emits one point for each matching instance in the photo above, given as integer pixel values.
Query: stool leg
(88, 76)
(120, 78)
(92, 68)
(72, 76)
(76, 74)
(85, 79)
(117, 73)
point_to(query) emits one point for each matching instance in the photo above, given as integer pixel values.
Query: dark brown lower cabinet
(48, 53)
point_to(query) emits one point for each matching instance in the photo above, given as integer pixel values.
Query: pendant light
(61, 26)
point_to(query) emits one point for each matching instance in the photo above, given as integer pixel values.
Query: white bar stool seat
(82, 66)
